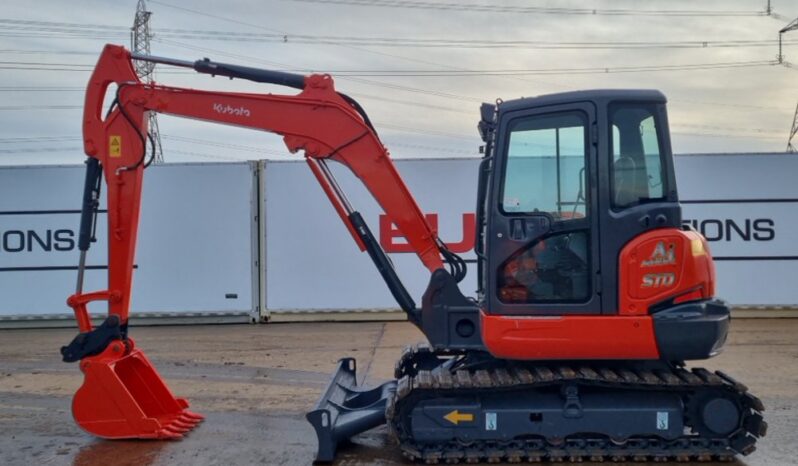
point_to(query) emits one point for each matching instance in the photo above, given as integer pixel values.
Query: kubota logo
(229, 110)
(661, 255)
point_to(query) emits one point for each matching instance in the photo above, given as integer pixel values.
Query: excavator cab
(574, 177)
(580, 250)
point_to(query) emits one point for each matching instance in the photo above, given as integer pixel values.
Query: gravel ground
(255, 382)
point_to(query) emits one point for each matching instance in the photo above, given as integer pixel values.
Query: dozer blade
(123, 396)
(344, 411)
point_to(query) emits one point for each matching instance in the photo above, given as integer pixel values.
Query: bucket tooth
(182, 425)
(168, 434)
(179, 430)
(123, 396)
(183, 418)
(192, 415)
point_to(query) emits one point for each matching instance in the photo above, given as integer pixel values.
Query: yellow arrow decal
(456, 417)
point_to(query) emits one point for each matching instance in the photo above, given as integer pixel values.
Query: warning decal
(490, 421)
(662, 420)
(115, 146)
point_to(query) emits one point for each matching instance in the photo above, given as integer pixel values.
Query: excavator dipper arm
(319, 121)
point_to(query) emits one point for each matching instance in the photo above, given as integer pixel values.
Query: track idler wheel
(715, 415)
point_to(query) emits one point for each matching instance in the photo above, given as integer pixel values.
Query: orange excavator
(592, 295)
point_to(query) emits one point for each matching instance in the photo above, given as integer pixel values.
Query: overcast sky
(730, 109)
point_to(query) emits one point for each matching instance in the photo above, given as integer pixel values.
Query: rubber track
(418, 386)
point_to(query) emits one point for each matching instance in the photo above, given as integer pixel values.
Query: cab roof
(601, 97)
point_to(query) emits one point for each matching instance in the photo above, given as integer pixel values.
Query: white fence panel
(198, 247)
(196, 252)
(746, 204)
(312, 263)
(747, 207)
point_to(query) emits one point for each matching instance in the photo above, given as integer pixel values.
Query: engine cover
(664, 267)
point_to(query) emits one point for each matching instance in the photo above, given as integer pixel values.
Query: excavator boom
(319, 121)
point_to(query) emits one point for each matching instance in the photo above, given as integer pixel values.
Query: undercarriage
(469, 407)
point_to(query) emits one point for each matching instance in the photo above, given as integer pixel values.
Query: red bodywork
(663, 265)
(317, 121)
(569, 337)
(659, 267)
(122, 396)
(135, 400)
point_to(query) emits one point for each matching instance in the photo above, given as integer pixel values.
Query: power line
(728, 128)
(405, 102)
(361, 49)
(472, 44)
(405, 129)
(352, 94)
(27, 23)
(432, 43)
(414, 104)
(244, 148)
(555, 71)
(26, 68)
(724, 104)
(466, 72)
(34, 63)
(38, 139)
(492, 8)
(30, 150)
(46, 52)
(283, 37)
(257, 26)
(206, 155)
(260, 150)
(41, 66)
(40, 89)
(434, 149)
(348, 78)
(724, 135)
(39, 107)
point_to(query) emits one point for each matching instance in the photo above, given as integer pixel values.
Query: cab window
(637, 168)
(552, 269)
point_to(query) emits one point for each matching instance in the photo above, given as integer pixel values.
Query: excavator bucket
(344, 411)
(123, 396)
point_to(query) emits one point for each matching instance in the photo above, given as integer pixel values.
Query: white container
(197, 247)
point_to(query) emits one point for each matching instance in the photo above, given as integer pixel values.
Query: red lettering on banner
(389, 234)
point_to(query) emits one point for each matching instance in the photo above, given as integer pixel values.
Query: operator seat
(631, 183)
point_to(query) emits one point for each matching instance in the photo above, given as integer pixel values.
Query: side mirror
(487, 121)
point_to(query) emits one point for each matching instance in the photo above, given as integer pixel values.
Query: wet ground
(255, 382)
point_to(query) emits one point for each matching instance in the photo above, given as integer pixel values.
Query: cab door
(640, 192)
(541, 237)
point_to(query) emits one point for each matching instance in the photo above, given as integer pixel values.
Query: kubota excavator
(592, 295)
